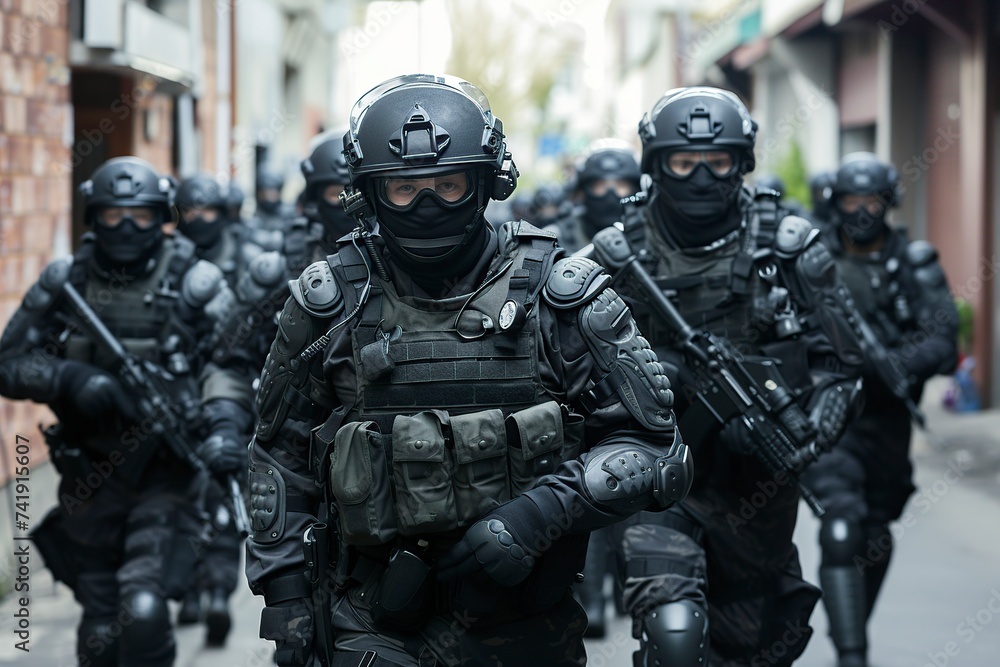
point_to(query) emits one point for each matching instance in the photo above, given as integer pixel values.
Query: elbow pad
(626, 477)
(628, 364)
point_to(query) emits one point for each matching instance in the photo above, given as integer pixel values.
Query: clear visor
(402, 193)
(681, 164)
(144, 217)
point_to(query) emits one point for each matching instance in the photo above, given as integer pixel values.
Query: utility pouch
(480, 477)
(403, 593)
(58, 552)
(360, 485)
(422, 472)
(535, 444)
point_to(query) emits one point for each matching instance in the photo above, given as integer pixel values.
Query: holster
(404, 593)
(56, 548)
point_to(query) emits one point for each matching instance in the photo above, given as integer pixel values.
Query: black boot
(190, 612)
(217, 618)
(844, 600)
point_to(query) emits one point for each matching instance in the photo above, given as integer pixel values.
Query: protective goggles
(451, 190)
(143, 217)
(681, 164)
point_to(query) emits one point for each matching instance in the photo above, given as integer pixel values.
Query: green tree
(792, 170)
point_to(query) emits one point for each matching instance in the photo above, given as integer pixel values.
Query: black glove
(290, 626)
(94, 391)
(223, 454)
(497, 544)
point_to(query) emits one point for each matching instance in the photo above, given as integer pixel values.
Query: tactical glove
(94, 391)
(223, 454)
(290, 626)
(497, 544)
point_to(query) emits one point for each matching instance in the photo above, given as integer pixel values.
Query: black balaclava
(435, 243)
(696, 211)
(335, 222)
(204, 234)
(600, 212)
(268, 207)
(126, 244)
(861, 227)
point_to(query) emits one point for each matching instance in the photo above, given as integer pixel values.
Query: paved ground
(935, 610)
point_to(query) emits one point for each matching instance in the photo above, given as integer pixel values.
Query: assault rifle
(729, 386)
(882, 363)
(144, 381)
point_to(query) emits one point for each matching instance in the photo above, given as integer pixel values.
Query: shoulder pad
(316, 290)
(55, 274)
(267, 269)
(525, 229)
(920, 253)
(793, 235)
(574, 281)
(765, 193)
(201, 283)
(298, 222)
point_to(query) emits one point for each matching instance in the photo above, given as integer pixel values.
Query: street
(939, 606)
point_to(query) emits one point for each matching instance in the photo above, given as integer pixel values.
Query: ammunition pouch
(446, 471)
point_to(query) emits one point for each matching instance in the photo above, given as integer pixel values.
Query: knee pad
(675, 634)
(147, 640)
(841, 540)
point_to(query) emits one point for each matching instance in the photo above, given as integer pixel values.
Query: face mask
(268, 207)
(204, 234)
(601, 212)
(861, 227)
(335, 222)
(686, 232)
(126, 244)
(431, 237)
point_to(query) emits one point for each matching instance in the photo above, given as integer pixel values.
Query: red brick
(29, 77)
(11, 236)
(6, 194)
(32, 266)
(20, 154)
(55, 42)
(22, 200)
(4, 152)
(10, 75)
(16, 40)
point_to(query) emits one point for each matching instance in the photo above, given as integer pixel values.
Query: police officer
(820, 189)
(605, 174)
(271, 214)
(125, 533)
(203, 217)
(864, 483)
(462, 549)
(548, 205)
(709, 581)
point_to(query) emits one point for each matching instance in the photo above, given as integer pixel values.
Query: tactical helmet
(326, 162)
(548, 194)
(864, 174)
(234, 199)
(607, 159)
(698, 118)
(126, 181)
(770, 182)
(269, 177)
(422, 124)
(200, 191)
(821, 191)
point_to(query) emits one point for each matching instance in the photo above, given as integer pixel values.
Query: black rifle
(729, 386)
(144, 381)
(882, 363)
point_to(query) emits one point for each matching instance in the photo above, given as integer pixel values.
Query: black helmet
(864, 174)
(126, 181)
(325, 166)
(696, 118)
(438, 128)
(127, 238)
(201, 191)
(549, 204)
(607, 158)
(770, 182)
(422, 124)
(821, 191)
(269, 177)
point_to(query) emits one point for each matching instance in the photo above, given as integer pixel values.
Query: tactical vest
(726, 292)
(450, 418)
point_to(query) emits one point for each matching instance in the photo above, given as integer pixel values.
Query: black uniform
(900, 290)
(483, 413)
(130, 520)
(716, 579)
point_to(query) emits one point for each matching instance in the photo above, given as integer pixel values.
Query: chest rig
(734, 292)
(880, 288)
(450, 418)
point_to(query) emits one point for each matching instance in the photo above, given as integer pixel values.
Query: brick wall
(34, 192)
